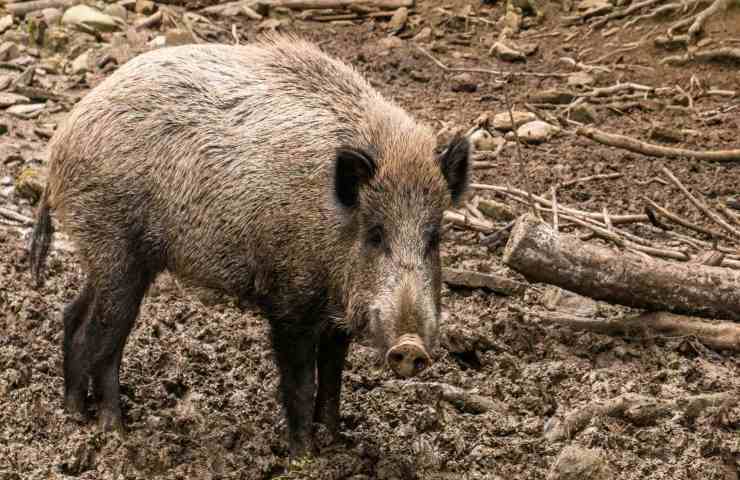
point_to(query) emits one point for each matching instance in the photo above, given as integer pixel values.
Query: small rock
(506, 53)
(463, 83)
(666, 134)
(391, 42)
(88, 18)
(147, 7)
(30, 184)
(482, 140)
(116, 10)
(157, 42)
(398, 20)
(26, 111)
(496, 210)
(565, 301)
(52, 16)
(576, 463)
(9, 99)
(583, 113)
(552, 96)
(419, 76)
(502, 121)
(9, 51)
(178, 36)
(580, 79)
(5, 23)
(81, 64)
(424, 34)
(536, 132)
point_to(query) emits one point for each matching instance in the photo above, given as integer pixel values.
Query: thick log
(543, 255)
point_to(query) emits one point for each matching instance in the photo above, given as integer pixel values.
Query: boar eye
(375, 236)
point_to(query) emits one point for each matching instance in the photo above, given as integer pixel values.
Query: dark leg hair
(75, 376)
(333, 347)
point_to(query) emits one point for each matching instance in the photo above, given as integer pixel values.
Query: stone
(398, 20)
(580, 79)
(157, 42)
(32, 110)
(52, 16)
(177, 36)
(502, 121)
(116, 10)
(482, 140)
(391, 42)
(565, 301)
(88, 18)
(80, 65)
(6, 22)
(496, 210)
(536, 132)
(9, 51)
(583, 113)
(463, 83)
(424, 34)
(8, 99)
(576, 463)
(553, 96)
(146, 7)
(30, 184)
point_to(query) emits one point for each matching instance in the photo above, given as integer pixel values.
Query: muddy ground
(198, 379)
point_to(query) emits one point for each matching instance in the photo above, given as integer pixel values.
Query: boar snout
(408, 357)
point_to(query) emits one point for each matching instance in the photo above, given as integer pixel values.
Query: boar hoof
(110, 422)
(408, 357)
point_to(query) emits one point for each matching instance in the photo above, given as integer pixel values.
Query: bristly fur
(41, 238)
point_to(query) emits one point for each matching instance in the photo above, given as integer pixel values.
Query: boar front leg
(295, 351)
(333, 347)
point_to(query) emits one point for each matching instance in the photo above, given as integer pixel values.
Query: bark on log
(542, 255)
(495, 283)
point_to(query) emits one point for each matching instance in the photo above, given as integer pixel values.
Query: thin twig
(683, 222)
(700, 205)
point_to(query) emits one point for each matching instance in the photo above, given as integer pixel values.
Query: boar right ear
(455, 165)
(353, 169)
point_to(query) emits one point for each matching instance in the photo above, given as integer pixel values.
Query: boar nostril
(420, 364)
(396, 357)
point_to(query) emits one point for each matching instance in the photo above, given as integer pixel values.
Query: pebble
(502, 121)
(147, 7)
(87, 18)
(116, 10)
(81, 64)
(580, 79)
(482, 140)
(6, 22)
(52, 16)
(536, 131)
(463, 83)
(8, 99)
(398, 20)
(391, 42)
(424, 34)
(32, 110)
(9, 51)
(576, 463)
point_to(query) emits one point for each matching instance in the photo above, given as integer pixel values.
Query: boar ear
(455, 165)
(353, 169)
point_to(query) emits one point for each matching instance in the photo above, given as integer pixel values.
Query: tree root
(637, 409)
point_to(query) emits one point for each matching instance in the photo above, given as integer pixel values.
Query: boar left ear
(353, 169)
(455, 165)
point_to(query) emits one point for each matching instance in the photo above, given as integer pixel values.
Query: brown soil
(198, 379)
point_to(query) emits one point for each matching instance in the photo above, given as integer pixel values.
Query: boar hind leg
(295, 351)
(75, 376)
(333, 347)
(118, 296)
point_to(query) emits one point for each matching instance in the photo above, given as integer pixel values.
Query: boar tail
(41, 240)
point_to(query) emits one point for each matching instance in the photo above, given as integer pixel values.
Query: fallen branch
(700, 205)
(698, 25)
(542, 255)
(484, 70)
(720, 335)
(638, 409)
(601, 176)
(616, 219)
(683, 222)
(15, 216)
(150, 21)
(650, 149)
(465, 400)
(466, 221)
(469, 279)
